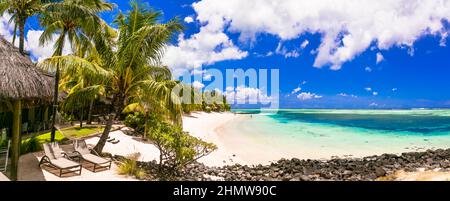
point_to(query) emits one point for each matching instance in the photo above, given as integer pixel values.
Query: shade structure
(20, 83)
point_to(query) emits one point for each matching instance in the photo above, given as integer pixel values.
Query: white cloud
(380, 58)
(394, 89)
(197, 72)
(31, 40)
(375, 93)
(347, 95)
(198, 85)
(373, 104)
(368, 69)
(296, 90)
(368, 89)
(281, 50)
(347, 27)
(206, 47)
(207, 76)
(243, 94)
(307, 96)
(304, 44)
(188, 19)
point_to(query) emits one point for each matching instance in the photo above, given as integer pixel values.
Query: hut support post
(15, 154)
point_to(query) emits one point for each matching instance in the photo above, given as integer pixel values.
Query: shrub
(129, 167)
(177, 148)
(135, 121)
(30, 145)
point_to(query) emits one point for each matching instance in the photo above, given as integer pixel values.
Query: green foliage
(177, 148)
(126, 67)
(138, 121)
(135, 121)
(30, 145)
(129, 167)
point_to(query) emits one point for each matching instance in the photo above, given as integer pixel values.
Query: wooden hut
(22, 85)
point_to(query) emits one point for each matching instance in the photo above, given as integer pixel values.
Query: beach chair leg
(60, 172)
(94, 167)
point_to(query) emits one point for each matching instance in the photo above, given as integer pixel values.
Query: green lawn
(72, 132)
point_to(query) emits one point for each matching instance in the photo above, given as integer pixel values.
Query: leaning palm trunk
(112, 114)
(101, 143)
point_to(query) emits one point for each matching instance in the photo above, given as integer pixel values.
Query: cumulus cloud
(198, 85)
(368, 69)
(296, 90)
(304, 44)
(207, 47)
(380, 58)
(368, 89)
(188, 19)
(394, 89)
(347, 95)
(373, 104)
(281, 50)
(32, 45)
(375, 93)
(250, 95)
(307, 96)
(347, 27)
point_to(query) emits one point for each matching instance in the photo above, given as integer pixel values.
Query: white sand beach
(233, 147)
(199, 124)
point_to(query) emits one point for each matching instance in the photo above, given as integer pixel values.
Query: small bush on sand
(129, 167)
(177, 148)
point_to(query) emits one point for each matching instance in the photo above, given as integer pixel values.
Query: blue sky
(334, 56)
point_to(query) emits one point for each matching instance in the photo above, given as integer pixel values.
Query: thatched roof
(19, 77)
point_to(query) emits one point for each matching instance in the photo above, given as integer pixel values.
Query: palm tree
(76, 21)
(20, 11)
(127, 65)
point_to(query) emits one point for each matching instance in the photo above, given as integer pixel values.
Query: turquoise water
(308, 133)
(416, 122)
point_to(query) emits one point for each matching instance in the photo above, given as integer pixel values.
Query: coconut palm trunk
(81, 118)
(56, 91)
(112, 114)
(89, 118)
(55, 104)
(22, 36)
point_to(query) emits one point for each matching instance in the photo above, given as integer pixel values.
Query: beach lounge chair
(4, 154)
(56, 158)
(85, 153)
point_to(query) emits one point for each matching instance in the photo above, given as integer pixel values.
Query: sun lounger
(85, 153)
(4, 154)
(56, 158)
(3, 177)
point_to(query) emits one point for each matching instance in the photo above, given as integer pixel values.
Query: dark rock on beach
(338, 169)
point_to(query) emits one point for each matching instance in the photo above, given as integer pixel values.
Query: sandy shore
(204, 126)
(199, 124)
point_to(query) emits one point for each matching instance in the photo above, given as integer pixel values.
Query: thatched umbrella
(21, 83)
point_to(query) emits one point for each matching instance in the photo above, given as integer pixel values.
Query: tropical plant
(127, 65)
(30, 145)
(20, 11)
(177, 148)
(77, 22)
(130, 167)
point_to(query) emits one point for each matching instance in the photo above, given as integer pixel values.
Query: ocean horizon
(328, 133)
